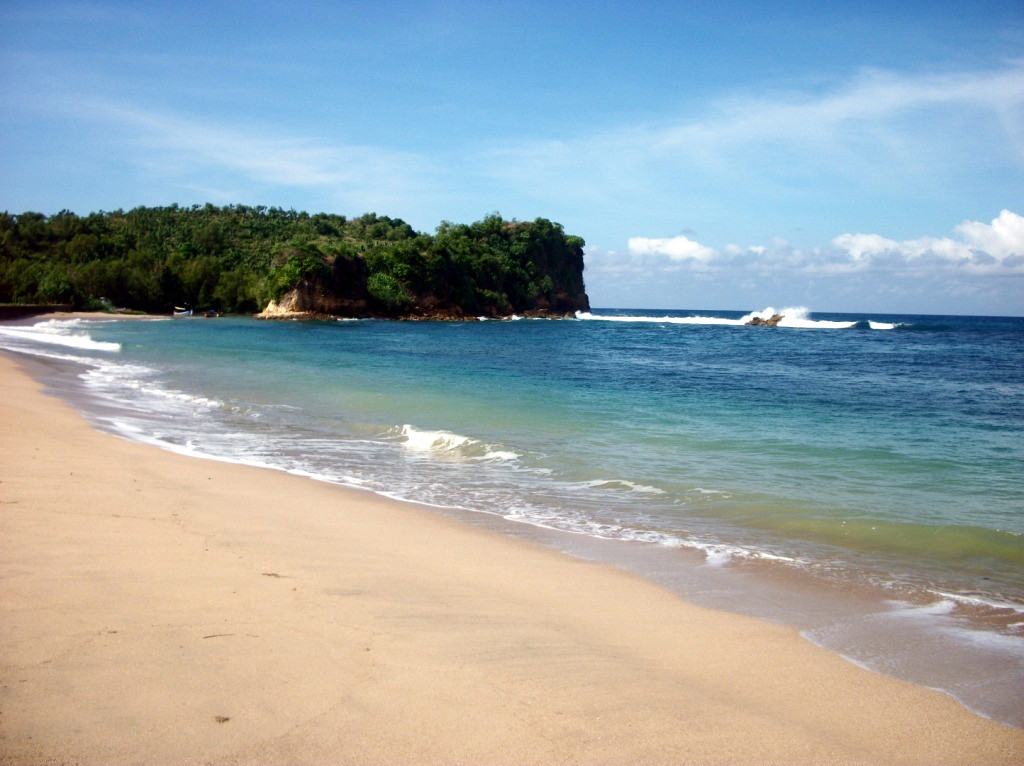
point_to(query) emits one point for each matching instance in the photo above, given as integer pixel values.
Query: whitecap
(797, 317)
(497, 455)
(697, 320)
(793, 317)
(619, 484)
(432, 441)
(448, 445)
(980, 601)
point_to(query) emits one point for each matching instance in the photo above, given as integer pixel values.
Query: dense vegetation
(238, 259)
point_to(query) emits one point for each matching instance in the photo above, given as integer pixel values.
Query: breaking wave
(50, 334)
(792, 316)
(622, 485)
(447, 445)
(796, 316)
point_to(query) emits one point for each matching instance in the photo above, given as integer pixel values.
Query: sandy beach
(162, 609)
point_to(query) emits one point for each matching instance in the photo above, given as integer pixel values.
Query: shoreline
(332, 625)
(914, 638)
(87, 316)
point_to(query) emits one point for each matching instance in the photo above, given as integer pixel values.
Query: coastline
(147, 594)
(88, 316)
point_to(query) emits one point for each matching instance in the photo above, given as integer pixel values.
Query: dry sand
(160, 609)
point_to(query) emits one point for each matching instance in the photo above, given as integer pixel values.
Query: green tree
(238, 257)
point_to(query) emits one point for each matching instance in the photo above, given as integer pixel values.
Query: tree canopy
(238, 258)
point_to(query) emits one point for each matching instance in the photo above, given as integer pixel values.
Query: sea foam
(52, 337)
(621, 485)
(446, 444)
(587, 316)
(793, 317)
(798, 317)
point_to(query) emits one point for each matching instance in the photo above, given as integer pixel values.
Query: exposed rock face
(275, 310)
(311, 298)
(773, 321)
(288, 309)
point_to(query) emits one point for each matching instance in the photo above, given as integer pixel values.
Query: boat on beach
(188, 311)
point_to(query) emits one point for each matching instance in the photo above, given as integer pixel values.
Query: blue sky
(843, 157)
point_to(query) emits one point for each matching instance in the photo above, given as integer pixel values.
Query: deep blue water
(860, 451)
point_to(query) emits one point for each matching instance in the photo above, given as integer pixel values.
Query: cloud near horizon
(984, 249)
(678, 249)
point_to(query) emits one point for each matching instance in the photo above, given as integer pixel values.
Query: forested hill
(239, 259)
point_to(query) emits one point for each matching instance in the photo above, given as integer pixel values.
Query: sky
(860, 157)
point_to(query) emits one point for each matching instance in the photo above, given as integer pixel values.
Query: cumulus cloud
(980, 248)
(678, 248)
(1002, 238)
(989, 247)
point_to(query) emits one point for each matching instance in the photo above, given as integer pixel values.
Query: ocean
(860, 477)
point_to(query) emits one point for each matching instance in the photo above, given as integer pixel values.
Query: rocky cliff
(493, 268)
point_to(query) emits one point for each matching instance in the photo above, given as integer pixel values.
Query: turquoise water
(879, 455)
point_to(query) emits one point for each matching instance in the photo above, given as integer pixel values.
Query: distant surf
(794, 317)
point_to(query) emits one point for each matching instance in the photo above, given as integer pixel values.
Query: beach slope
(156, 608)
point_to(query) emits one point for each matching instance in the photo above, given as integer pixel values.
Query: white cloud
(978, 269)
(199, 154)
(861, 246)
(806, 122)
(902, 138)
(678, 248)
(871, 97)
(1002, 238)
(262, 157)
(982, 247)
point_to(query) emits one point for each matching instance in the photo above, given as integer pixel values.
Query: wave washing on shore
(881, 471)
(56, 333)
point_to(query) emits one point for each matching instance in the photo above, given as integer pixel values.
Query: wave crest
(445, 444)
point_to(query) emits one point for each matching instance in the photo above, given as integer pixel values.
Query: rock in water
(773, 321)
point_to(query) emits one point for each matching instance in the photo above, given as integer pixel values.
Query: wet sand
(164, 609)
